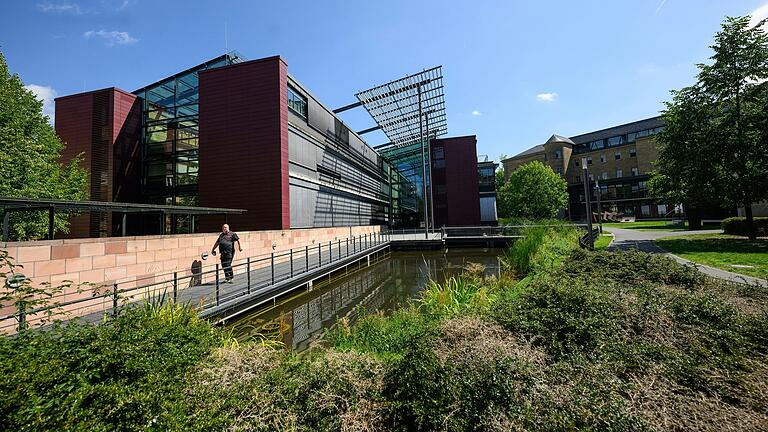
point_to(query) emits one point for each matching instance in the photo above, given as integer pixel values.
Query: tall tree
(713, 149)
(29, 154)
(533, 191)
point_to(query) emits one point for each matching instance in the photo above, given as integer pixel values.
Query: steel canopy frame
(395, 105)
(405, 109)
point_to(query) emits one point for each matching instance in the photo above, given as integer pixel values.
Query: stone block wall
(138, 261)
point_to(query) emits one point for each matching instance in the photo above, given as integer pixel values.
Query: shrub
(565, 315)
(632, 267)
(738, 226)
(118, 375)
(541, 249)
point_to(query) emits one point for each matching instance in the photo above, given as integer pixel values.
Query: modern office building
(456, 191)
(228, 133)
(619, 158)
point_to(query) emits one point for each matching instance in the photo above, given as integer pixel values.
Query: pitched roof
(535, 149)
(559, 139)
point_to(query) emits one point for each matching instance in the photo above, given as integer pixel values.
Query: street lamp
(587, 202)
(599, 208)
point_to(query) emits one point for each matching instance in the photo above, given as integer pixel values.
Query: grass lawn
(603, 241)
(656, 226)
(720, 251)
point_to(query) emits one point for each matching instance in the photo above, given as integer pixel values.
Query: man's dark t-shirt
(226, 243)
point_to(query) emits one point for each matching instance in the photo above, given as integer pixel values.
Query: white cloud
(125, 4)
(46, 95)
(111, 38)
(476, 113)
(72, 8)
(758, 15)
(546, 97)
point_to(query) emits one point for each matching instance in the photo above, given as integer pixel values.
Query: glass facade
(169, 140)
(406, 161)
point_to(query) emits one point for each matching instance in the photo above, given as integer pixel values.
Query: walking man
(226, 244)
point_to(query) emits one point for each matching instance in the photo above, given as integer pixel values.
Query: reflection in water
(384, 286)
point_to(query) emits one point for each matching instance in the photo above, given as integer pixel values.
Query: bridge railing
(203, 287)
(507, 231)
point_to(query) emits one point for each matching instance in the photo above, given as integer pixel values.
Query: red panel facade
(244, 144)
(103, 126)
(455, 181)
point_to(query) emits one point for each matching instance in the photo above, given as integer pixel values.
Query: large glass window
(170, 138)
(297, 103)
(597, 144)
(614, 141)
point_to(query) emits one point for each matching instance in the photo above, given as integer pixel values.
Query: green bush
(124, 374)
(738, 226)
(632, 267)
(541, 249)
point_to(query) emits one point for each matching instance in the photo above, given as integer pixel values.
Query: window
(642, 185)
(614, 141)
(591, 177)
(577, 178)
(438, 157)
(597, 144)
(645, 210)
(619, 173)
(559, 170)
(297, 103)
(589, 161)
(558, 154)
(631, 136)
(602, 158)
(635, 171)
(576, 162)
(632, 152)
(604, 175)
(662, 209)
(617, 155)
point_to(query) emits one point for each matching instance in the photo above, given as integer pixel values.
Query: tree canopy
(713, 149)
(29, 158)
(533, 191)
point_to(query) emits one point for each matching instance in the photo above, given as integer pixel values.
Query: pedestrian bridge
(258, 280)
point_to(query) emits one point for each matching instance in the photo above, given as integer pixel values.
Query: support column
(431, 184)
(6, 225)
(423, 170)
(51, 222)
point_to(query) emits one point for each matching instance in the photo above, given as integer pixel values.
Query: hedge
(738, 226)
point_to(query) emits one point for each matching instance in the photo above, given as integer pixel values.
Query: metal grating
(395, 106)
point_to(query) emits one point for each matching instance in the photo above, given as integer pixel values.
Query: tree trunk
(693, 215)
(751, 231)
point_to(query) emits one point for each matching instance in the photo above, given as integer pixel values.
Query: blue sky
(515, 72)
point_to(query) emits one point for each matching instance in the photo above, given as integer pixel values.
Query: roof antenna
(226, 44)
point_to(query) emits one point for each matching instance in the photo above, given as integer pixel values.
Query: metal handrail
(336, 250)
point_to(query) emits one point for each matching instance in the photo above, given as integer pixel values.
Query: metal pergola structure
(398, 105)
(9, 205)
(410, 111)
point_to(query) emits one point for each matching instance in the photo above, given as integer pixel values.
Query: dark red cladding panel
(244, 144)
(462, 200)
(103, 126)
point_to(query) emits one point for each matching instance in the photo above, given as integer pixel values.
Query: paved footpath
(645, 241)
